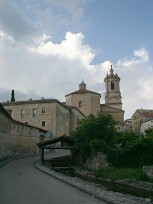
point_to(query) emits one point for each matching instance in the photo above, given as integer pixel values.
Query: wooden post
(42, 155)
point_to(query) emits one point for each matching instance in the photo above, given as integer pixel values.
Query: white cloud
(53, 70)
(140, 56)
(72, 48)
(14, 23)
(136, 80)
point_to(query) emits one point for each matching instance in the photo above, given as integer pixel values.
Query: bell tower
(113, 94)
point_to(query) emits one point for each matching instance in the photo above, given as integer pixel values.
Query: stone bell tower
(113, 94)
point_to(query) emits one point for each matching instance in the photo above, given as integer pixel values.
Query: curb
(59, 177)
(4, 162)
(109, 197)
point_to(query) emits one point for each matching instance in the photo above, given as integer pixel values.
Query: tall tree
(94, 133)
(12, 96)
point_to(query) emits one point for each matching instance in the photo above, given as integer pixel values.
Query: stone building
(113, 103)
(140, 116)
(128, 125)
(85, 100)
(88, 101)
(146, 125)
(16, 138)
(48, 114)
(60, 118)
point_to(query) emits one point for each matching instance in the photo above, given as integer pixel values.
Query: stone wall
(17, 139)
(17, 146)
(96, 162)
(5, 121)
(90, 102)
(50, 115)
(149, 171)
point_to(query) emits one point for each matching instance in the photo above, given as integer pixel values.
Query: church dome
(82, 86)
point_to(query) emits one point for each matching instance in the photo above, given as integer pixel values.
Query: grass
(135, 174)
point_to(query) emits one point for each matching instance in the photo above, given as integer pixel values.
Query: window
(112, 85)
(43, 110)
(43, 123)
(80, 104)
(22, 113)
(26, 123)
(34, 111)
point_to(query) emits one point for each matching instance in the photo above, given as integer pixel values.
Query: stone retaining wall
(17, 146)
(96, 162)
(149, 171)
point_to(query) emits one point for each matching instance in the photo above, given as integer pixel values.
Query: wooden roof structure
(46, 145)
(63, 139)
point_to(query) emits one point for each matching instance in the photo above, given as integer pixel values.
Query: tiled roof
(147, 114)
(83, 91)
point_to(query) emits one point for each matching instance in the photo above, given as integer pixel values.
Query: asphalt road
(21, 183)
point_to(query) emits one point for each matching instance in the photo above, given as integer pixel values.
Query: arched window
(80, 104)
(112, 85)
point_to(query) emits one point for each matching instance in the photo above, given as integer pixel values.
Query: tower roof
(82, 90)
(82, 82)
(111, 70)
(112, 75)
(82, 85)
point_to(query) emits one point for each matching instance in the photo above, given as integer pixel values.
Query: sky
(47, 47)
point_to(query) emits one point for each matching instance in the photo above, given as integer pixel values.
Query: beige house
(17, 139)
(140, 116)
(48, 114)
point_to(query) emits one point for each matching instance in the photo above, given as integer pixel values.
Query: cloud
(13, 23)
(30, 19)
(75, 7)
(140, 56)
(71, 48)
(37, 17)
(136, 81)
(51, 70)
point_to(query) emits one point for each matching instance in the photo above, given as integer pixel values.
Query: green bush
(98, 134)
(134, 151)
(94, 133)
(122, 173)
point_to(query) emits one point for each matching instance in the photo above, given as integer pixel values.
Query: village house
(18, 139)
(140, 116)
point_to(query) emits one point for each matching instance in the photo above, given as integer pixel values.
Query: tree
(131, 150)
(12, 96)
(94, 133)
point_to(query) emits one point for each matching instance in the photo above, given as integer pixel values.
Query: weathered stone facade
(60, 118)
(117, 114)
(149, 171)
(85, 100)
(97, 161)
(17, 146)
(5, 121)
(48, 114)
(112, 94)
(17, 139)
(140, 116)
(89, 102)
(113, 103)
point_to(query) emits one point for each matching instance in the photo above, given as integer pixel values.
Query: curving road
(21, 183)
